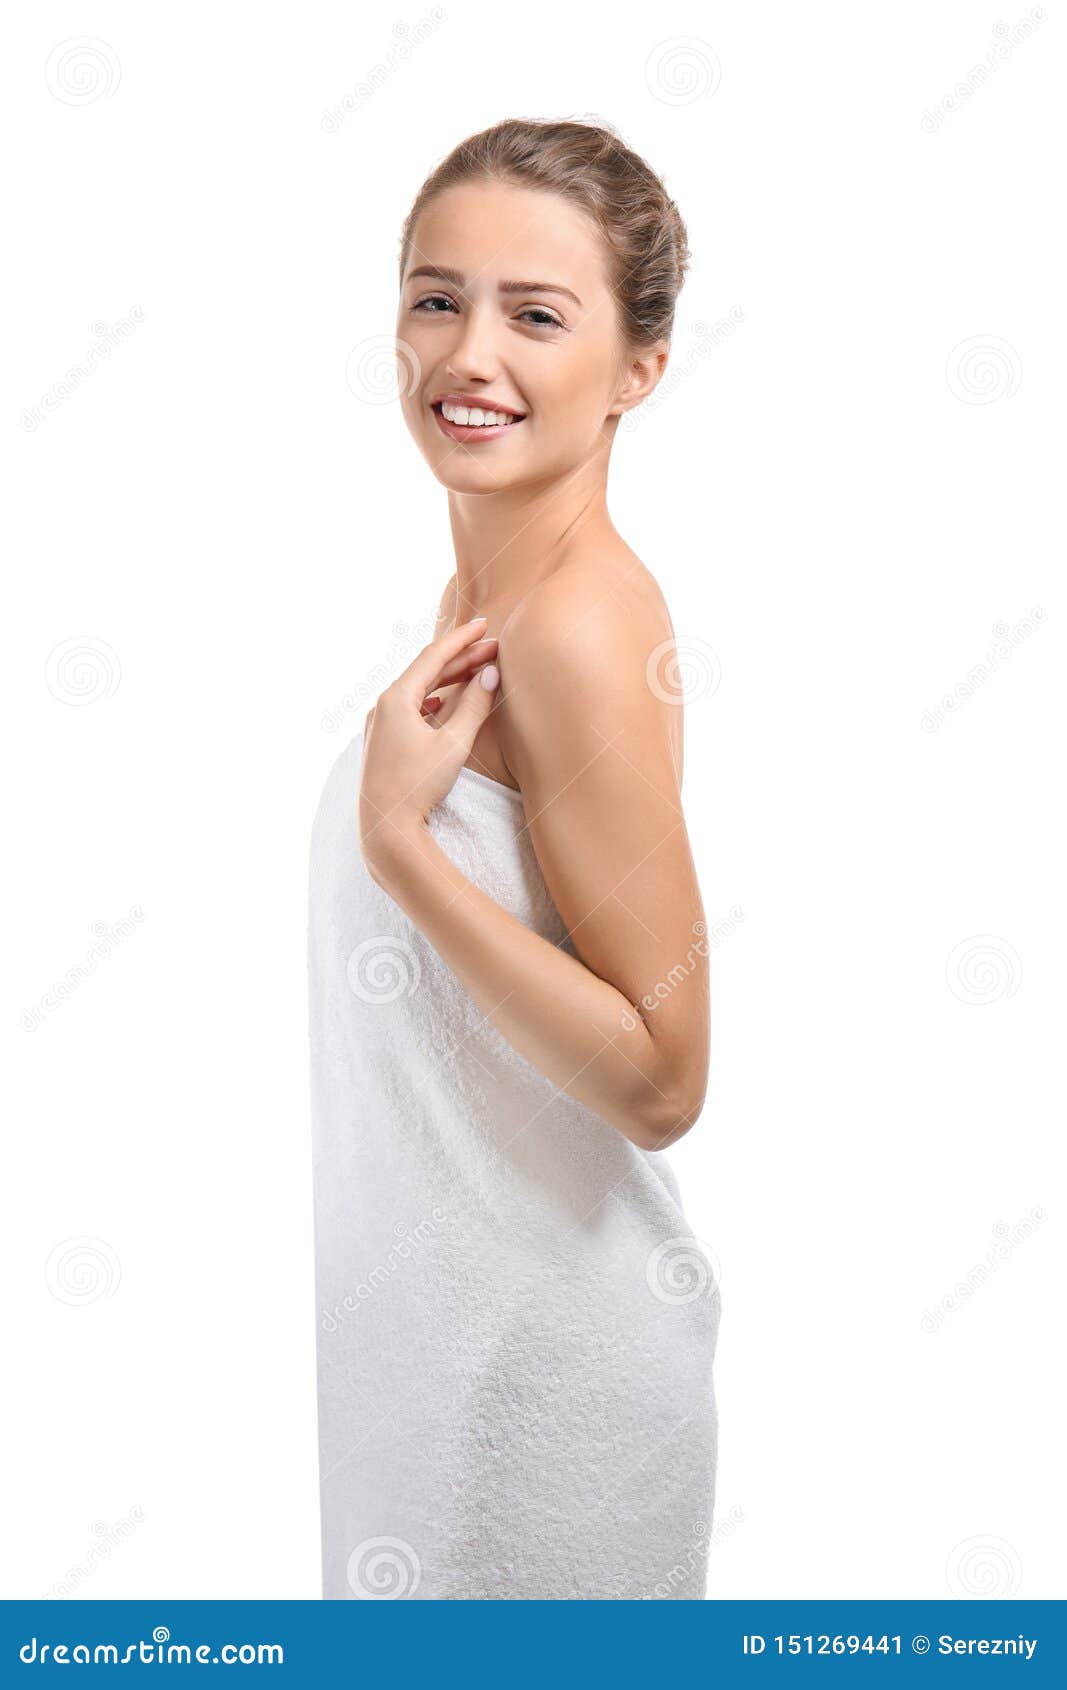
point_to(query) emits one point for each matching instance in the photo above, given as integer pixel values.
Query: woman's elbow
(667, 1118)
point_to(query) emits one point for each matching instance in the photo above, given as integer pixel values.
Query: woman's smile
(467, 422)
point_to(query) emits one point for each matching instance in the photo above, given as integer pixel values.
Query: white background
(833, 502)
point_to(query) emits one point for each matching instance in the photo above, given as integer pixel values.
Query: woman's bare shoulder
(580, 666)
(605, 596)
(588, 641)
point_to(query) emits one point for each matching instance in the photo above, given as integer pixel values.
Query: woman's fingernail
(489, 676)
(475, 619)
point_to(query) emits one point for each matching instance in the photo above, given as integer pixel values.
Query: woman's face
(506, 305)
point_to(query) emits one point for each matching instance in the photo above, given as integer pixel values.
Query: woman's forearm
(575, 1028)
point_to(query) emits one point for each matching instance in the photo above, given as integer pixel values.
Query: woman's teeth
(476, 418)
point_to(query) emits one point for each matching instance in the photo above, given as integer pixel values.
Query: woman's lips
(467, 433)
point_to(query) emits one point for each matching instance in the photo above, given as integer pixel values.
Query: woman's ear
(641, 374)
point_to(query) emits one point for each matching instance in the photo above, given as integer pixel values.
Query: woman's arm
(589, 742)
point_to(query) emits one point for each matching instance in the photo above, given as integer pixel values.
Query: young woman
(509, 993)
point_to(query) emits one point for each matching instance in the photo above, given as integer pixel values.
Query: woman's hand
(409, 762)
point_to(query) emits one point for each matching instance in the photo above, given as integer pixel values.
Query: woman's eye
(438, 304)
(545, 319)
(433, 300)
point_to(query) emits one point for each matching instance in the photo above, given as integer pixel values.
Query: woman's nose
(475, 353)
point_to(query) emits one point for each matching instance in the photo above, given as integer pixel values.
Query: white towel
(516, 1327)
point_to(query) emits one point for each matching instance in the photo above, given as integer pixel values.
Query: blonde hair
(589, 165)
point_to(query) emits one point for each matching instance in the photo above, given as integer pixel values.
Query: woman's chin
(462, 472)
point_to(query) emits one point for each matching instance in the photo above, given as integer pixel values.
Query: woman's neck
(507, 542)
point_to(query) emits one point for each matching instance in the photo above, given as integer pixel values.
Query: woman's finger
(462, 667)
(420, 676)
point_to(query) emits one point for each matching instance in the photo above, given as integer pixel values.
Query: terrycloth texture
(516, 1327)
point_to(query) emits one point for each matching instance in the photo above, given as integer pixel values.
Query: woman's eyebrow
(538, 287)
(441, 273)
